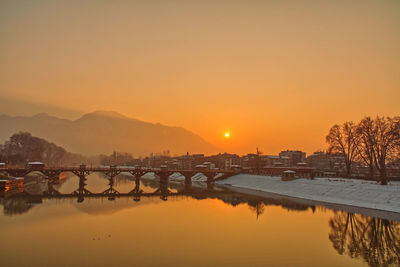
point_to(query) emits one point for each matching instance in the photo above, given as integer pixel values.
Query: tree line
(374, 142)
(22, 147)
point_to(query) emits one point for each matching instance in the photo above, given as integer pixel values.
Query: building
(252, 161)
(187, 162)
(224, 161)
(156, 161)
(275, 161)
(295, 156)
(330, 164)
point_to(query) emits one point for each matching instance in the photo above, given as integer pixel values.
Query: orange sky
(277, 74)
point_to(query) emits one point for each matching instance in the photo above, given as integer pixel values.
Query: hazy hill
(103, 132)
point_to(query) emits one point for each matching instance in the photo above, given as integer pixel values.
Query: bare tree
(385, 141)
(365, 149)
(342, 139)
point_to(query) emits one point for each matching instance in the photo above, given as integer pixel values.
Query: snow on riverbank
(358, 193)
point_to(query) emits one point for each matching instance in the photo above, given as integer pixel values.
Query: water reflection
(15, 206)
(376, 241)
(21, 201)
(373, 240)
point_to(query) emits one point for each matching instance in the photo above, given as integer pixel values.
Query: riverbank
(338, 191)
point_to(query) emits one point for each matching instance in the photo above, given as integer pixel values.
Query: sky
(275, 74)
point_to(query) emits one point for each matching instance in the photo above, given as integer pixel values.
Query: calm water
(229, 230)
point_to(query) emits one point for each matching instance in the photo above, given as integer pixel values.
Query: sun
(227, 135)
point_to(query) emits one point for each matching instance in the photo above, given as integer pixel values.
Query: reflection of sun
(227, 135)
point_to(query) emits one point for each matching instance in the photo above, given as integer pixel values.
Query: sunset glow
(273, 71)
(227, 135)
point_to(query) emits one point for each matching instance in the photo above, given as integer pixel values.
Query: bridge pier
(111, 173)
(137, 191)
(164, 179)
(111, 192)
(188, 177)
(210, 177)
(50, 186)
(164, 191)
(137, 178)
(81, 191)
(188, 186)
(210, 186)
(137, 184)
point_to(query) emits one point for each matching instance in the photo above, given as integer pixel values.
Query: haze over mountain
(103, 132)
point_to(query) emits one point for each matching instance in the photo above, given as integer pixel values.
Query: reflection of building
(295, 156)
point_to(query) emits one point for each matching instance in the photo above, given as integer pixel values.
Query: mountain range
(103, 132)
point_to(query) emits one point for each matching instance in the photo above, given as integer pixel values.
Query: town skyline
(320, 147)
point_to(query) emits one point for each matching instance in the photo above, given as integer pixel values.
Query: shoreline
(387, 215)
(312, 192)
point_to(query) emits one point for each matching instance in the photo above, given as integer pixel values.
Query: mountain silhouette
(103, 132)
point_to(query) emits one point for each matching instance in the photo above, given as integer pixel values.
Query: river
(206, 227)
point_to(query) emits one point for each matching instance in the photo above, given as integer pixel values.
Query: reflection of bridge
(20, 200)
(111, 193)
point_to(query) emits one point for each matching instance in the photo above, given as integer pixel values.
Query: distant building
(184, 162)
(331, 164)
(188, 162)
(157, 161)
(295, 156)
(275, 161)
(252, 161)
(224, 161)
